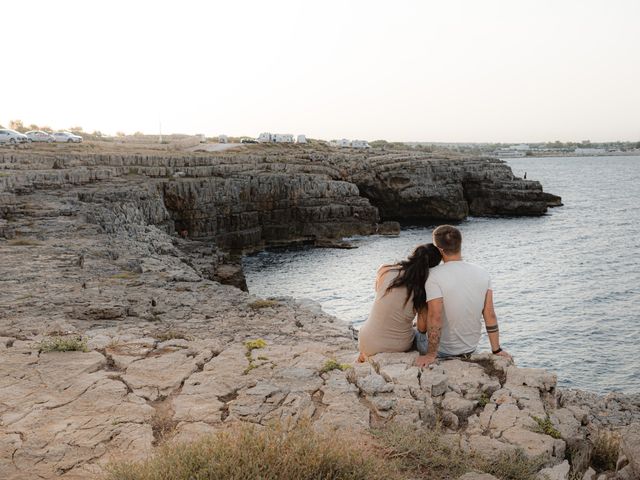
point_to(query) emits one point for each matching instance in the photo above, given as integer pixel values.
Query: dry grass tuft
(23, 242)
(606, 447)
(246, 452)
(258, 304)
(512, 466)
(162, 425)
(125, 275)
(64, 344)
(426, 453)
(171, 334)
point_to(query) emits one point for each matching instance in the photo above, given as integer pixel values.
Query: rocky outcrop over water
(409, 186)
(241, 202)
(92, 260)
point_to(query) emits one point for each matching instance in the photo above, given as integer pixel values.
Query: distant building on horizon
(346, 143)
(590, 151)
(267, 137)
(360, 144)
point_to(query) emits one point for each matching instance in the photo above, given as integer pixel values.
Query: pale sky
(404, 70)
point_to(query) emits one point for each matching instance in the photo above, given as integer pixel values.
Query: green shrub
(64, 344)
(245, 452)
(546, 426)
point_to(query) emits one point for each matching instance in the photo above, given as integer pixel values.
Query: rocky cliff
(92, 259)
(246, 200)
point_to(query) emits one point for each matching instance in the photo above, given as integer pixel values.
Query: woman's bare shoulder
(387, 266)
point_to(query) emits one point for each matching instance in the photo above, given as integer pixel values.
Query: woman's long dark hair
(414, 272)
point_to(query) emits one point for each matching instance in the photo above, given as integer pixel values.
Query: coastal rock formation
(95, 258)
(415, 187)
(240, 202)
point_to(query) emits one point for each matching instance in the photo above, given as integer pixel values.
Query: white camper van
(282, 138)
(360, 144)
(264, 137)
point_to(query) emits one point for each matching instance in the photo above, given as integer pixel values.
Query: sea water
(566, 284)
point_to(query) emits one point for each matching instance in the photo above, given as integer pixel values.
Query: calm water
(566, 285)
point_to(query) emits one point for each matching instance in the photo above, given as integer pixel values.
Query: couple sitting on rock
(448, 300)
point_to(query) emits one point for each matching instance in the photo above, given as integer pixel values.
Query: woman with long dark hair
(400, 296)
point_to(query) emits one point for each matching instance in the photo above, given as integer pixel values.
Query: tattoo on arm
(433, 334)
(492, 328)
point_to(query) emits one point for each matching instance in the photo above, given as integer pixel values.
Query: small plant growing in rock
(250, 367)
(333, 364)
(64, 344)
(252, 345)
(255, 344)
(484, 399)
(258, 304)
(546, 426)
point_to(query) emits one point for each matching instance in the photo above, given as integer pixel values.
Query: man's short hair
(448, 238)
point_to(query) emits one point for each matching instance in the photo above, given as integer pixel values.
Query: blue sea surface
(566, 285)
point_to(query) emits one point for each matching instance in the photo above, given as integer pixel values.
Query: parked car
(67, 137)
(39, 136)
(248, 140)
(11, 136)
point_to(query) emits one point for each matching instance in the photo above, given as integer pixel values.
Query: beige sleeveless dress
(389, 327)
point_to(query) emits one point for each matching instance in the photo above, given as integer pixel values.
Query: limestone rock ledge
(70, 413)
(89, 249)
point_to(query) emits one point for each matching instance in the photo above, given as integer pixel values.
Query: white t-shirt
(463, 287)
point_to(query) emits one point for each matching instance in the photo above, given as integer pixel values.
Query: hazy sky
(421, 70)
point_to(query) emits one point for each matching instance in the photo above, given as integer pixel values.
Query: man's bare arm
(491, 324)
(434, 324)
(434, 330)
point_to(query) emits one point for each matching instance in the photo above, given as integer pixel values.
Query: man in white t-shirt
(459, 295)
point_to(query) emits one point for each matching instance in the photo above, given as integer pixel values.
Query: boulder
(458, 405)
(532, 377)
(630, 446)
